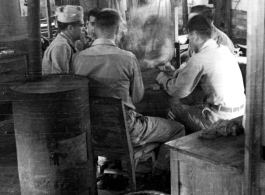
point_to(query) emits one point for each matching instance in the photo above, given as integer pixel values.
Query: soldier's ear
(195, 35)
(191, 35)
(96, 29)
(117, 31)
(70, 27)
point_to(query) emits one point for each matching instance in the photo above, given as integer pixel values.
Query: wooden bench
(207, 167)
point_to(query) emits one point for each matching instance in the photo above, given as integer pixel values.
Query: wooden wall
(88, 4)
(255, 113)
(13, 27)
(66, 2)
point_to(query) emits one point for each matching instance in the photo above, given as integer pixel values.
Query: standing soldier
(58, 56)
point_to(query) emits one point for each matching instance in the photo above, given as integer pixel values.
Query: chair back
(110, 136)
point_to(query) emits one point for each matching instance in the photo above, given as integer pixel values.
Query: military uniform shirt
(113, 72)
(57, 57)
(218, 73)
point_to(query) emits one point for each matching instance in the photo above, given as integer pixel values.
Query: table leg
(174, 167)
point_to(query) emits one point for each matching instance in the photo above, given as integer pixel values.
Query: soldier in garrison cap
(58, 56)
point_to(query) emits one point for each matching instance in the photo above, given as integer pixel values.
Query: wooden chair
(110, 136)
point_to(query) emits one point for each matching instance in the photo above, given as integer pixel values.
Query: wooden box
(207, 167)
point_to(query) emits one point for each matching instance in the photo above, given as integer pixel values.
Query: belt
(226, 109)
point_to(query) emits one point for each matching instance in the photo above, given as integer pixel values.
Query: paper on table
(183, 47)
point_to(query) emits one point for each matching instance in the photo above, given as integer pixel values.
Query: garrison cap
(70, 13)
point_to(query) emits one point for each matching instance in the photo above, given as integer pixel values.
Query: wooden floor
(9, 179)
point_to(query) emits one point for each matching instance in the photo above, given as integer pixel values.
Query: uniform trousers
(199, 117)
(146, 129)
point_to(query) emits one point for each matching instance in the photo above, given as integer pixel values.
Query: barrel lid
(52, 84)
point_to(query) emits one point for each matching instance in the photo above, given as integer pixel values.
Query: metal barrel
(52, 127)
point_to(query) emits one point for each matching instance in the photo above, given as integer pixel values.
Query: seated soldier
(57, 57)
(116, 73)
(88, 35)
(215, 68)
(220, 37)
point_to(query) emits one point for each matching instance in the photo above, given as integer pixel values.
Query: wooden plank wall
(66, 2)
(88, 4)
(13, 27)
(255, 97)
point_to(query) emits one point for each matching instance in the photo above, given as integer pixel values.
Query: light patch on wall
(240, 4)
(24, 7)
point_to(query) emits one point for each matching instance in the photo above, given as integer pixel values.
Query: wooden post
(176, 18)
(34, 43)
(227, 17)
(48, 14)
(218, 15)
(185, 13)
(177, 49)
(255, 96)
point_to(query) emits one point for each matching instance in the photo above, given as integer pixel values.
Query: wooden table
(154, 102)
(207, 167)
(158, 102)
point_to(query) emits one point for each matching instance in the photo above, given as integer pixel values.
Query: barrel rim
(54, 83)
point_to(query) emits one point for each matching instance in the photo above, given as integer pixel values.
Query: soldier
(114, 72)
(220, 37)
(58, 56)
(215, 69)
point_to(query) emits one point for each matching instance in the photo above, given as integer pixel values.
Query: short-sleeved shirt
(113, 72)
(217, 70)
(57, 57)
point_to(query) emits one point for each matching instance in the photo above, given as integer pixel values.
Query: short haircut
(108, 18)
(63, 26)
(203, 10)
(93, 12)
(199, 24)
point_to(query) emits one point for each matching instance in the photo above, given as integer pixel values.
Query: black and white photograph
(132, 97)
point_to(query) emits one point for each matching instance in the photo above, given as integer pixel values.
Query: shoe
(112, 182)
(158, 183)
